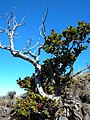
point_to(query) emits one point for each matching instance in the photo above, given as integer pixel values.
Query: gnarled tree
(51, 77)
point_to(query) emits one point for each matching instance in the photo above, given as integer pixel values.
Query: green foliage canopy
(65, 48)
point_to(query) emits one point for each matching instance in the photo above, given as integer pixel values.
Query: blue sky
(62, 13)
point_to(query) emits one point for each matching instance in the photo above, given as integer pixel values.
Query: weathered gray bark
(27, 55)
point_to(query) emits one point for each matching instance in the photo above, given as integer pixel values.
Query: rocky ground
(76, 101)
(6, 106)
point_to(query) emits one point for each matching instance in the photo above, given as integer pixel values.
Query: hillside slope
(77, 99)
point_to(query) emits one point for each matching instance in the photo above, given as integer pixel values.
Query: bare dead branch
(42, 28)
(81, 71)
(10, 31)
(28, 50)
(12, 24)
(31, 54)
(16, 26)
(19, 54)
(43, 23)
(40, 49)
(34, 46)
(4, 47)
(27, 45)
(9, 21)
(3, 30)
(12, 27)
(22, 21)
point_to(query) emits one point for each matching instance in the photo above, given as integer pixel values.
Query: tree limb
(4, 47)
(42, 28)
(10, 32)
(19, 54)
(41, 91)
(16, 53)
(81, 71)
(27, 45)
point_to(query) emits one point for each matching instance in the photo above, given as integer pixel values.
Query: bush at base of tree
(34, 107)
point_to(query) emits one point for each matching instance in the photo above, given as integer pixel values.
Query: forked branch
(12, 27)
(10, 32)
